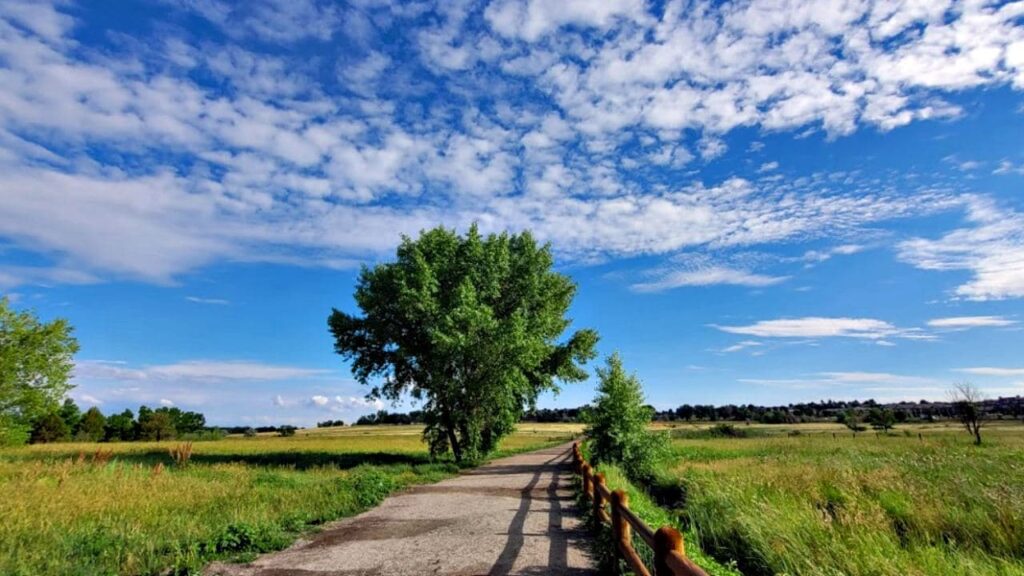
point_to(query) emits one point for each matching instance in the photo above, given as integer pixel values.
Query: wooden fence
(666, 542)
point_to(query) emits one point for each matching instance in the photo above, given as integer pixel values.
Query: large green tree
(35, 368)
(470, 325)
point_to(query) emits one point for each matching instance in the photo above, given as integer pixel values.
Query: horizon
(759, 205)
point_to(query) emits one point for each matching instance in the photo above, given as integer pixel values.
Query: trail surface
(512, 516)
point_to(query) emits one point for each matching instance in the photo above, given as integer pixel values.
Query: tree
(882, 419)
(157, 425)
(120, 427)
(618, 422)
(35, 368)
(91, 428)
(71, 414)
(851, 419)
(50, 428)
(967, 400)
(470, 325)
(286, 431)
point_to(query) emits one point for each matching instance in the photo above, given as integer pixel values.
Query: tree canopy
(470, 325)
(35, 368)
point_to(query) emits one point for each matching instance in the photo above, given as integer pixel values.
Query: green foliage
(35, 367)
(286, 431)
(91, 427)
(469, 325)
(617, 425)
(120, 427)
(50, 428)
(881, 419)
(155, 425)
(71, 414)
(852, 420)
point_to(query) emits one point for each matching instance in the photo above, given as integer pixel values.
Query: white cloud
(89, 399)
(768, 167)
(191, 370)
(742, 346)
(823, 327)
(532, 19)
(964, 322)
(345, 403)
(992, 371)
(166, 402)
(215, 301)
(866, 382)
(707, 277)
(992, 250)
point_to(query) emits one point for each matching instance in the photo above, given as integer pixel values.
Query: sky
(761, 201)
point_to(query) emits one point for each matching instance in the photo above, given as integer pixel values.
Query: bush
(287, 430)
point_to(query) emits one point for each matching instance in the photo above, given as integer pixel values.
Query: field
(67, 509)
(797, 500)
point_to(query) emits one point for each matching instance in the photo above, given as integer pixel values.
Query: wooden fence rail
(667, 543)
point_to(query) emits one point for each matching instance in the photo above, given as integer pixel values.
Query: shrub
(181, 453)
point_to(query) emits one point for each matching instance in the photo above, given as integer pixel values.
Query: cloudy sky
(761, 200)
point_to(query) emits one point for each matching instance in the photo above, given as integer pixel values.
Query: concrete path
(513, 516)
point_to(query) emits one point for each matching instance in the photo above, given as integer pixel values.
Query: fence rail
(666, 542)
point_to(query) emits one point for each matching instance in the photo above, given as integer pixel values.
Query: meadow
(128, 508)
(814, 500)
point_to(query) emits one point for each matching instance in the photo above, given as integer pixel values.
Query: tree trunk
(453, 440)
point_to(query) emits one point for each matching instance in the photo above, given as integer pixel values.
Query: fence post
(622, 533)
(588, 481)
(666, 540)
(598, 497)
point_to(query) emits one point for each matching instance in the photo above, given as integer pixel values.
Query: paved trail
(513, 516)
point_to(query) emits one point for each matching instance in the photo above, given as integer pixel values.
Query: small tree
(90, 429)
(35, 368)
(50, 428)
(851, 419)
(157, 426)
(882, 419)
(967, 404)
(618, 422)
(286, 430)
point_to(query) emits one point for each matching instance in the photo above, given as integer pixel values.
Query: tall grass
(125, 509)
(816, 505)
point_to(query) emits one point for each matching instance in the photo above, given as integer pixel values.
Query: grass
(77, 509)
(655, 517)
(814, 504)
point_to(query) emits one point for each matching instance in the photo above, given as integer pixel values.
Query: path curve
(514, 516)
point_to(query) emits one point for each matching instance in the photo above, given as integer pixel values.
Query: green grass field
(63, 512)
(814, 504)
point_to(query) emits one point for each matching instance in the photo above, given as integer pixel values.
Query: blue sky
(762, 201)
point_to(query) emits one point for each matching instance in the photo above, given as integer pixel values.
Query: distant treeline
(826, 410)
(69, 423)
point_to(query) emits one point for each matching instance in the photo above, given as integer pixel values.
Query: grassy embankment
(65, 512)
(811, 503)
